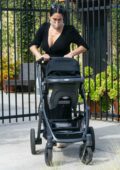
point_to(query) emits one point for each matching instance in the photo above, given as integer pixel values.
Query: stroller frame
(86, 135)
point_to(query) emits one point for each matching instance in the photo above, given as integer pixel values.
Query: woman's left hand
(68, 55)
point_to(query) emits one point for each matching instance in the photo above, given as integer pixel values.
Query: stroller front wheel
(85, 154)
(48, 156)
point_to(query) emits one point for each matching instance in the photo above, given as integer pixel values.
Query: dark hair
(57, 8)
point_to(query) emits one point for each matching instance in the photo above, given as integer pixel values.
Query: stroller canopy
(63, 67)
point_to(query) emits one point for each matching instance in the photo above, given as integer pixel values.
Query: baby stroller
(59, 119)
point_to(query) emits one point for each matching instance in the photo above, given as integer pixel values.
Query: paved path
(15, 149)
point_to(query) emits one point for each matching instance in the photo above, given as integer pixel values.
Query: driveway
(15, 151)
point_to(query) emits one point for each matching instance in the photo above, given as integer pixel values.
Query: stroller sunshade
(63, 67)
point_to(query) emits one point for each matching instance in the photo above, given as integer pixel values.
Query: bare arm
(77, 51)
(37, 54)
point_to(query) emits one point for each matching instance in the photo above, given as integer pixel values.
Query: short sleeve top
(62, 45)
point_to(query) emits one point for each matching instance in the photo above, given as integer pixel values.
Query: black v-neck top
(62, 45)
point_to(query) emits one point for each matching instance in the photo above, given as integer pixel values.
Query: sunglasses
(58, 7)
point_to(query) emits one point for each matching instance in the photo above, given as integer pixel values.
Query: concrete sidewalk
(15, 151)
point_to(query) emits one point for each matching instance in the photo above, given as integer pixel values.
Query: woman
(55, 37)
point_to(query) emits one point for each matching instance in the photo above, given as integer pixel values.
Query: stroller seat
(64, 80)
(64, 94)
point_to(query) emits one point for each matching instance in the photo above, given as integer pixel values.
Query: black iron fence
(98, 21)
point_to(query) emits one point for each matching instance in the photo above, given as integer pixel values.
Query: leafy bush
(102, 87)
(9, 69)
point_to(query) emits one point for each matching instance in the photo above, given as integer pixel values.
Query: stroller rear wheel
(85, 154)
(91, 131)
(48, 156)
(32, 141)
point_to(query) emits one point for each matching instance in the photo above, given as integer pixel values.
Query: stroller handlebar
(42, 61)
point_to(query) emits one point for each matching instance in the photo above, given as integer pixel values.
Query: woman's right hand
(46, 57)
